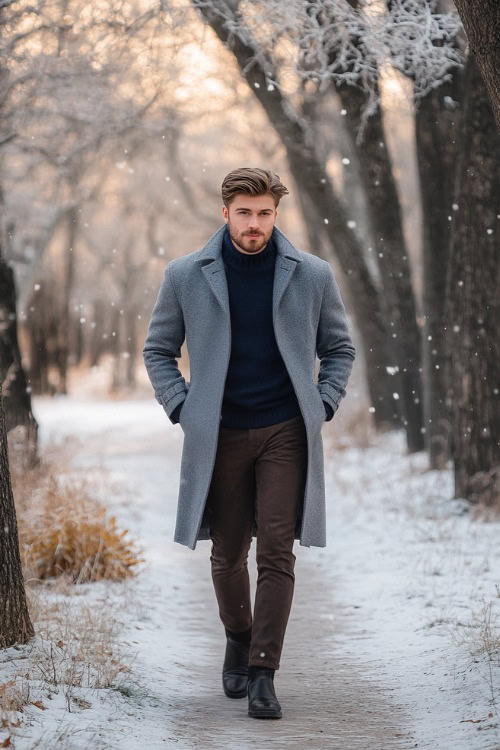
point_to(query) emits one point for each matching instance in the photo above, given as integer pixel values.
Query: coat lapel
(216, 278)
(287, 259)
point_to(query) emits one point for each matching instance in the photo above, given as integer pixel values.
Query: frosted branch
(329, 41)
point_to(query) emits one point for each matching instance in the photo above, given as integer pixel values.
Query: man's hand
(328, 412)
(174, 417)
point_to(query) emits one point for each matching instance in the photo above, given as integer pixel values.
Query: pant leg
(230, 507)
(281, 469)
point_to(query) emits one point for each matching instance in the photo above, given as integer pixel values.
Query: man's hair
(252, 181)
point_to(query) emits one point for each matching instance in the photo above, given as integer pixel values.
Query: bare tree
(346, 44)
(64, 107)
(311, 176)
(385, 217)
(437, 122)
(18, 399)
(473, 301)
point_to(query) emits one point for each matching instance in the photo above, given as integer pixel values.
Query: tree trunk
(473, 300)
(481, 20)
(436, 125)
(310, 175)
(15, 622)
(42, 323)
(17, 399)
(77, 348)
(392, 259)
(131, 331)
(96, 344)
(65, 327)
(116, 379)
(376, 355)
(39, 360)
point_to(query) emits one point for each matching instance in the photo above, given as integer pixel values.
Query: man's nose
(253, 223)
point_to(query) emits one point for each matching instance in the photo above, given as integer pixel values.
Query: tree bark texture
(437, 121)
(15, 622)
(17, 399)
(473, 300)
(43, 319)
(392, 259)
(481, 20)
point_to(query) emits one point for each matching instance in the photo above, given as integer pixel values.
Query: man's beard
(250, 244)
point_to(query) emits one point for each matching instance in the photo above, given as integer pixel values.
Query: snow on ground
(380, 647)
(425, 577)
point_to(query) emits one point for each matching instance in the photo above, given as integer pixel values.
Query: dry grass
(76, 639)
(66, 537)
(64, 528)
(480, 638)
(481, 635)
(75, 651)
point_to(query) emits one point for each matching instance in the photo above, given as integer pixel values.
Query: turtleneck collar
(236, 259)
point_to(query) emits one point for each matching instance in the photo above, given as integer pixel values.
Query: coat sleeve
(162, 347)
(333, 344)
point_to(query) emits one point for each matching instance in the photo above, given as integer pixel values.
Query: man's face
(250, 219)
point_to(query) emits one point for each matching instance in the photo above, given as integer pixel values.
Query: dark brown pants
(263, 467)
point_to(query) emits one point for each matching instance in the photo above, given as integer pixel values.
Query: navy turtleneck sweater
(258, 391)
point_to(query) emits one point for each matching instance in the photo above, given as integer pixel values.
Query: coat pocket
(319, 402)
(182, 413)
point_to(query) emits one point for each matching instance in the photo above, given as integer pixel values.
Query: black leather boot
(235, 668)
(262, 700)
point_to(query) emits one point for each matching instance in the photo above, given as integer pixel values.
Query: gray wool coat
(309, 319)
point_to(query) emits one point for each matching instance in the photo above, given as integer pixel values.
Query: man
(254, 312)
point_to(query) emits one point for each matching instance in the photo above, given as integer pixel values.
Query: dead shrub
(64, 528)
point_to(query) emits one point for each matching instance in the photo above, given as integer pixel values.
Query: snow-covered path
(329, 697)
(366, 662)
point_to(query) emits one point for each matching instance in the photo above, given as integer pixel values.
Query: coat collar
(212, 249)
(287, 259)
